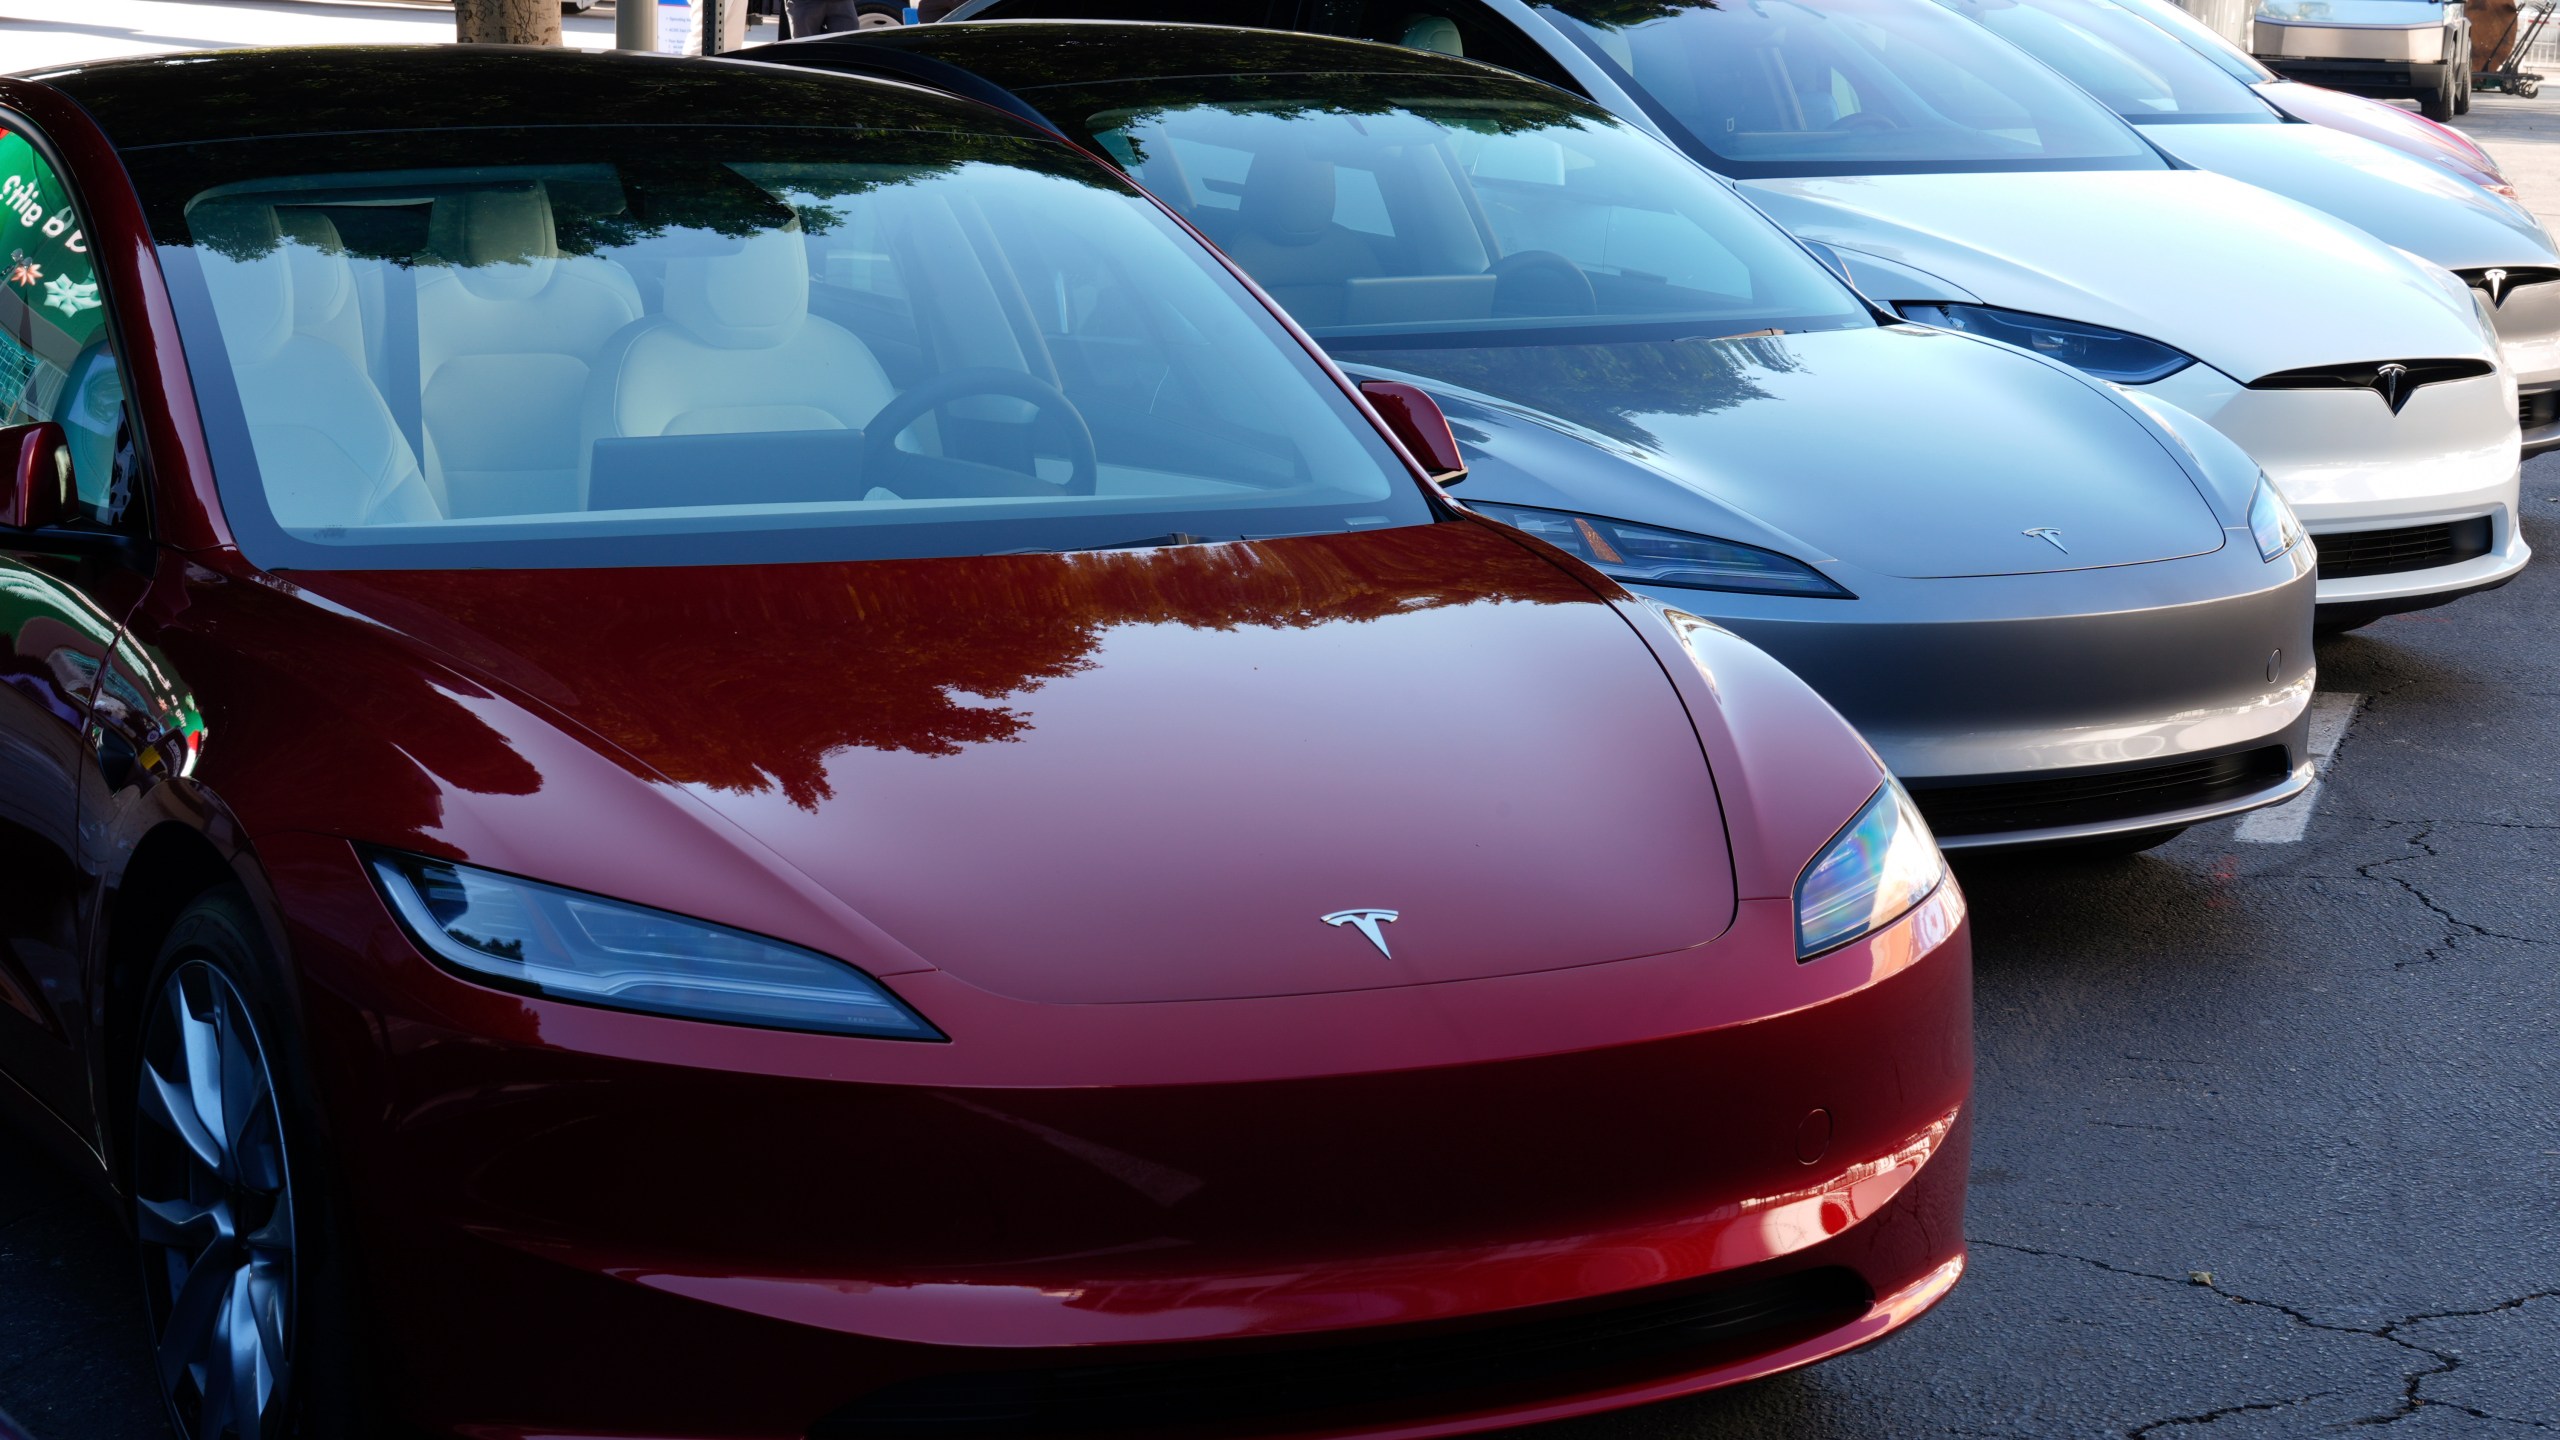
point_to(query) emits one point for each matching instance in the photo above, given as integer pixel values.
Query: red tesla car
(698, 751)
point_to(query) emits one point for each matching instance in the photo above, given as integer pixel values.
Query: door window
(57, 361)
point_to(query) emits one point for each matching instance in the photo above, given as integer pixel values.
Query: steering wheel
(882, 459)
(1540, 282)
(1864, 120)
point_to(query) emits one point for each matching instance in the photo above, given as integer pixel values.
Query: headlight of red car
(569, 945)
(1871, 874)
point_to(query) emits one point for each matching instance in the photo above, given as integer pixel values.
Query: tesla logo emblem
(2048, 535)
(2391, 382)
(1367, 923)
(2495, 282)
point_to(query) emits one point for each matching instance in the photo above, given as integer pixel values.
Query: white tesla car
(1967, 185)
(2198, 112)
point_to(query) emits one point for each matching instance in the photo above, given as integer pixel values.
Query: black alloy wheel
(214, 1207)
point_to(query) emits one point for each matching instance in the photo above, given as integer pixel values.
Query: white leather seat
(1435, 33)
(735, 352)
(328, 449)
(325, 305)
(508, 332)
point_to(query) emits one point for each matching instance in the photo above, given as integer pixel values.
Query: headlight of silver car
(569, 945)
(1871, 874)
(2094, 349)
(2273, 522)
(1646, 555)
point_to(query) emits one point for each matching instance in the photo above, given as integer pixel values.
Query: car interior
(1850, 84)
(1456, 219)
(1465, 31)
(670, 341)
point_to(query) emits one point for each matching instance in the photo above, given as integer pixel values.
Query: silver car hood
(1897, 450)
(2246, 281)
(2393, 197)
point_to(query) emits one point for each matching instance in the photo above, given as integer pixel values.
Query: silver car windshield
(2142, 72)
(613, 346)
(1371, 217)
(2196, 35)
(1773, 88)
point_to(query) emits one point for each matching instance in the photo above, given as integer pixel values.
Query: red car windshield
(607, 346)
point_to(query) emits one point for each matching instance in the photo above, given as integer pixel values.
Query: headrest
(752, 298)
(1288, 200)
(501, 244)
(253, 298)
(324, 284)
(1435, 33)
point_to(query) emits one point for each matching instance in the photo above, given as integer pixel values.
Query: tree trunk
(506, 22)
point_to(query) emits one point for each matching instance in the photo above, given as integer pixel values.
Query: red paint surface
(2387, 124)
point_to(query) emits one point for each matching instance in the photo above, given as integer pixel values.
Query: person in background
(827, 17)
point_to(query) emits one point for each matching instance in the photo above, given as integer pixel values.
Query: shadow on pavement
(74, 1363)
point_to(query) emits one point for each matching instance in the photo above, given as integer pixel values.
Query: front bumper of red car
(1404, 1212)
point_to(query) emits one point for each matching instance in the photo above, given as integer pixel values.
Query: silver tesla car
(2059, 614)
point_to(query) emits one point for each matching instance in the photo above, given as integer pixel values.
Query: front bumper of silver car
(2067, 808)
(2411, 508)
(2275, 41)
(2034, 709)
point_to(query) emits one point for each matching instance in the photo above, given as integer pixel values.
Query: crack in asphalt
(2444, 1362)
(2227, 1411)
(2420, 838)
(2414, 820)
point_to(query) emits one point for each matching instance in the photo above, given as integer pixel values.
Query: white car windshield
(1372, 211)
(696, 346)
(2142, 72)
(1762, 88)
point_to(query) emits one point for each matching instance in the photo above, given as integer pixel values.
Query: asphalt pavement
(2268, 1128)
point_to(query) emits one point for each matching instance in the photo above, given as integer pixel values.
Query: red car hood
(1147, 775)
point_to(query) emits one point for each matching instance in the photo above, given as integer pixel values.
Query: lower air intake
(2389, 552)
(1392, 1375)
(2072, 799)
(2537, 408)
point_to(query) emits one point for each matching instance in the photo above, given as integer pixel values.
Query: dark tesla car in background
(738, 779)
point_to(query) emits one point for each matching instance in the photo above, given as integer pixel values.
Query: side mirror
(1415, 419)
(39, 467)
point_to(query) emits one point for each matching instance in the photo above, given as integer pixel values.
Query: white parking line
(2331, 714)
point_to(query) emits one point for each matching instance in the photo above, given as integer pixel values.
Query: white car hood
(2246, 281)
(2393, 197)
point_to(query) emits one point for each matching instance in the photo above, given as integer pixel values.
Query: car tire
(2436, 101)
(245, 1284)
(2462, 80)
